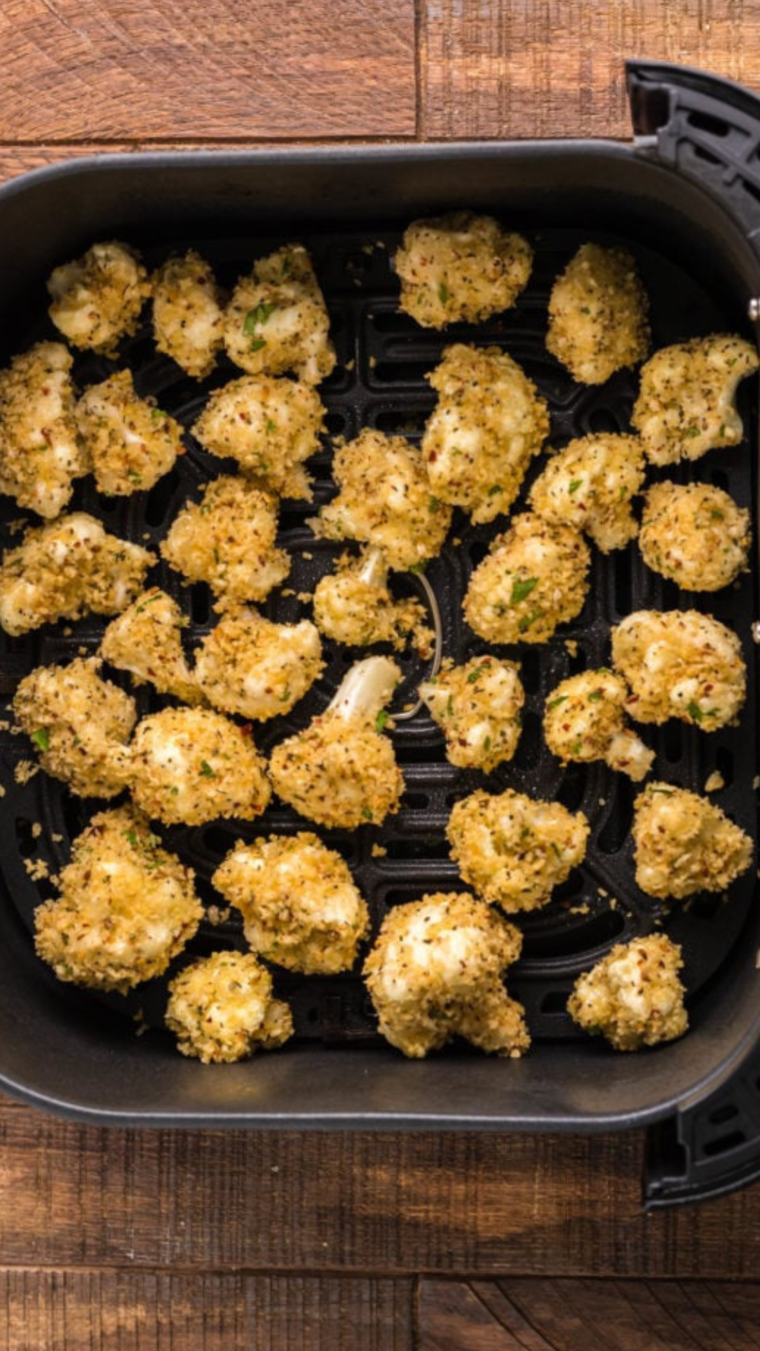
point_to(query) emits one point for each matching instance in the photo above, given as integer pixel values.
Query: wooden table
(212, 1241)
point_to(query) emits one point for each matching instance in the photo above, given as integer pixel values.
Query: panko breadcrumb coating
(680, 664)
(598, 314)
(460, 267)
(130, 443)
(435, 972)
(533, 579)
(584, 720)
(192, 765)
(249, 665)
(695, 534)
(221, 1009)
(478, 707)
(277, 320)
(489, 422)
(126, 908)
(633, 996)
(300, 905)
(589, 484)
(685, 405)
(97, 299)
(685, 844)
(40, 452)
(512, 849)
(146, 641)
(188, 318)
(353, 605)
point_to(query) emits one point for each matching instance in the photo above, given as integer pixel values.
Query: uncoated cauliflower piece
(633, 996)
(40, 453)
(146, 641)
(685, 405)
(300, 905)
(221, 1009)
(97, 299)
(126, 907)
(598, 314)
(277, 320)
(460, 267)
(130, 443)
(188, 319)
(685, 844)
(589, 484)
(353, 605)
(478, 706)
(489, 422)
(695, 534)
(584, 720)
(249, 665)
(680, 664)
(435, 972)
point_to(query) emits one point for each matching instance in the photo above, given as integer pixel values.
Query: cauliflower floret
(460, 266)
(633, 996)
(269, 426)
(97, 299)
(489, 422)
(228, 540)
(354, 605)
(221, 1009)
(589, 484)
(146, 641)
(300, 905)
(40, 453)
(385, 499)
(533, 579)
(68, 568)
(188, 319)
(130, 443)
(277, 320)
(435, 972)
(685, 844)
(512, 849)
(80, 723)
(126, 908)
(479, 708)
(680, 664)
(584, 720)
(685, 405)
(598, 314)
(696, 534)
(249, 665)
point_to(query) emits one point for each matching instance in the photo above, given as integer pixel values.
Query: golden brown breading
(584, 720)
(478, 706)
(130, 443)
(146, 641)
(686, 405)
(598, 314)
(460, 267)
(249, 665)
(221, 1009)
(589, 484)
(354, 605)
(188, 318)
(680, 664)
(40, 452)
(695, 534)
(97, 299)
(277, 320)
(633, 996)
(685, 844)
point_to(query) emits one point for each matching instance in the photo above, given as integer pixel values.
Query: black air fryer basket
(685, 198)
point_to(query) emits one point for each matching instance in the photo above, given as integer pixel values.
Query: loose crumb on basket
(37, 869)
(379, 851)
(714, 782)
(218, 914)
(25, 770)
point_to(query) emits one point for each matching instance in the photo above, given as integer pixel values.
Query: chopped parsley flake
(207, 771)
(522, 589)
(41, 738)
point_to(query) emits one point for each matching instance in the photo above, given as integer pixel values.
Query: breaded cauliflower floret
(589, 484)
(633, 996)
(130, 443)
(686, 405)
(68, 568)
(460, 267)
(269, 426)
(249, 665)
(598, 314)
(695, 534)
(97, 299)
(188, 319)
(385, 499)
(585, 720)
(192, 765)
(512, 849)
(146, 641)
(228, 540)
(478, 706)
(277, 320)
(40, 453)
(680, 664)
(353, 605)
(221, 1009)
(435, 972)
(300, 905)
(80, 724)
(126, 908)
(685, 844)
(533, 579)
(488, 424)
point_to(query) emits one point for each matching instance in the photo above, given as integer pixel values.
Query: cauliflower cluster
(478, 707)
(146, 640)
(590, 485)
(680, 664)
(460, 267)
(277, 321)
(584, 720)
(685, 405)
(188, 314)
(221, 1009)
(685, 844)
(354, 605)
(695, 534)
(97, 299)
(251, 666)
(634, 996)
(129, 442)
(598, 315)
(40, 452)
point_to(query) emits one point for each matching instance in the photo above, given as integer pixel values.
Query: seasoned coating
(533, 579)
(584, 720)
(460, 267)
(221, 1009)
(685, 405)
(385, 499)
(435, 972)
(126, 907)
(633, 996)
(249, 665)
(65, 569)
(598, 314)
(589, 485)
(97, 299)
(129, 442)
(300, 905)
(40, 453)
(80, 724)
(512, 849)
(695, 534)
(680, 664)
(188, 316)
(478, 707)
(277, 320)
(146, 640)
(489, 422)
(685, 844)
(353, 605)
